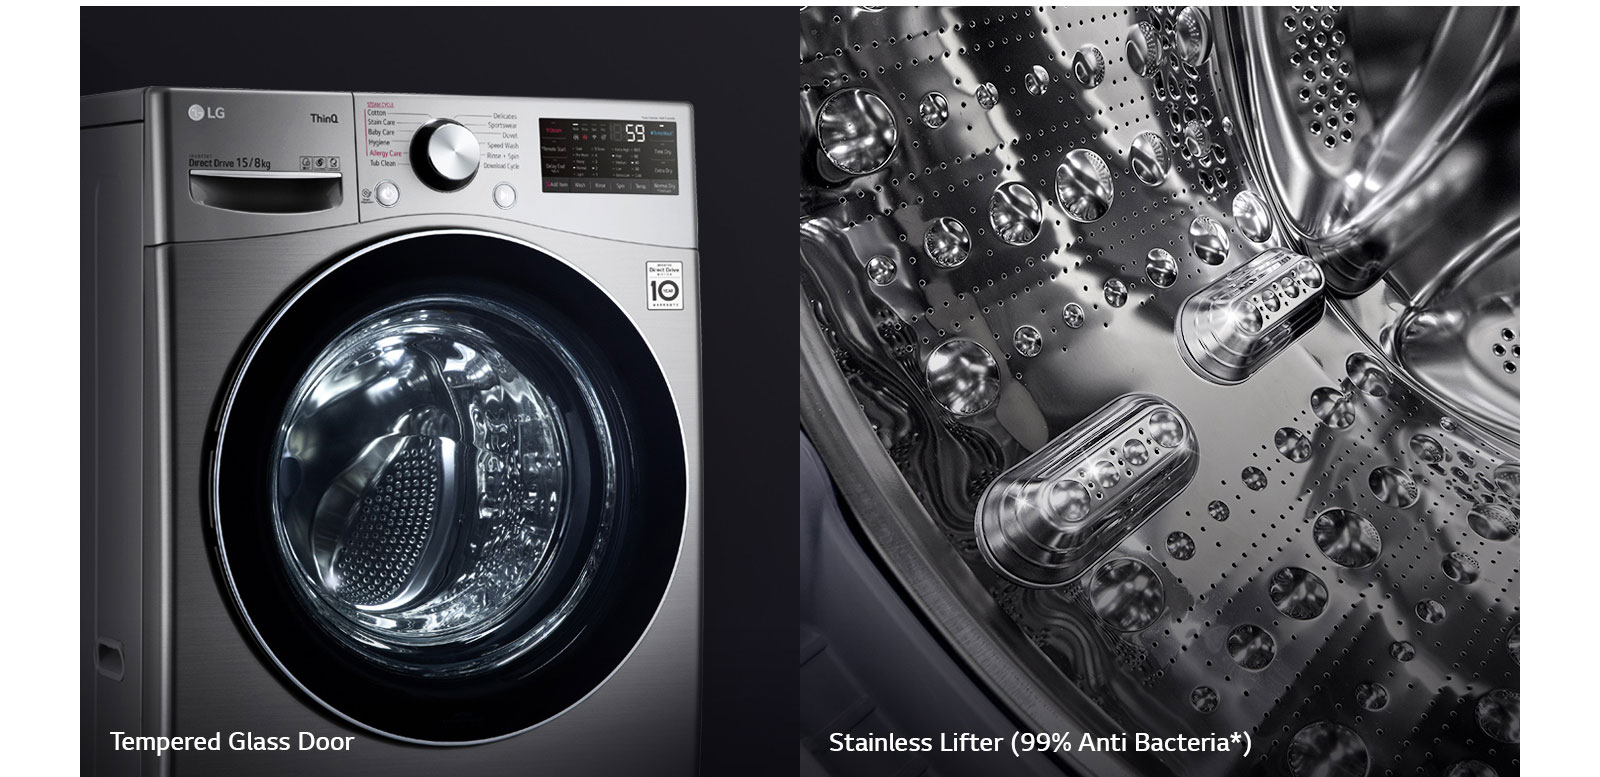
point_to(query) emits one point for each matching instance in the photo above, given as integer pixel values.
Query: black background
(735, 66)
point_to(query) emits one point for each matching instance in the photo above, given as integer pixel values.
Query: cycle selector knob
(444, 155)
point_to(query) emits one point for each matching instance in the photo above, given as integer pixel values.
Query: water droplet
(1218, 510)
(1298, 593)
(1514, 644)
(881, 269)
(963, 377)
(1402, 651)
(1251, 214)
(1471, 769)
(1166, 429)
(1368, 375)
(1135, 452)
(1015, 214)
(1253, 478)
(1292, 443)
(1204, 699)
(1196, 139)
(1083, 185)
(1493, 522)
(1162, 269)
(1191, 36)
(947, 242)
(1372, 696)
(1116, 292)
(1027, 340)
(1427, 449)
(1072, 315)
(1325, 749)
(1149, 158)
(1037, 81)
(1461, 567)
(1508, 483)
(1251, 647)
(1500, 715)
(1393, 487)
(856, 131)
(1227, 125)
(1208, 239)
(987, 95)
(1180, 546)
(1347, 538)
(1333, 407)
(1127, 595)
(934, 110)
(1430, 611)
(1089, 66)
(1144, 49)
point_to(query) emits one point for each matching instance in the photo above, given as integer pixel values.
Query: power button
(387, 193)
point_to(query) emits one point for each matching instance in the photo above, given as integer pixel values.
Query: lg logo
(198, 112)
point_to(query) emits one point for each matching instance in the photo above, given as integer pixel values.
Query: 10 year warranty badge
(664, 285)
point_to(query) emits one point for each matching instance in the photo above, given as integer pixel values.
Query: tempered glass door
(449, 487)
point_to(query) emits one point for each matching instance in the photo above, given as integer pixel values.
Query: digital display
(601, 156)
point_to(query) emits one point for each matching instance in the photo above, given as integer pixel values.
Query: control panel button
(444, 155)
(387, 193)
(505, 195)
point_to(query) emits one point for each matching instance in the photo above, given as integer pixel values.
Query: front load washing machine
(391, 435)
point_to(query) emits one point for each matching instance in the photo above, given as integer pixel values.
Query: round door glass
(443, 485)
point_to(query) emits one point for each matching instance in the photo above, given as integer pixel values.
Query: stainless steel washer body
(220, 227)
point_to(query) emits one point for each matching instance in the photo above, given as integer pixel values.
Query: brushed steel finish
(1339, 458)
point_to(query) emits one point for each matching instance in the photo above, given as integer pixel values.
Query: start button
(505, 195)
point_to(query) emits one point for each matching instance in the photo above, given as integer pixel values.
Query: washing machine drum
(449, 487)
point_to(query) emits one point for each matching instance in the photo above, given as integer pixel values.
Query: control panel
(619, 169)
(234, 163)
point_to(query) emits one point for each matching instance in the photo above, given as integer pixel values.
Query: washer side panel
(114, 676)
